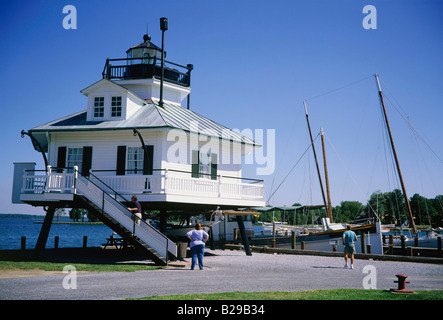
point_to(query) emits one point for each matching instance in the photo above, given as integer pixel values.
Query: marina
(141, 161)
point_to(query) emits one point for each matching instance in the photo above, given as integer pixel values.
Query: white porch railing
(41, 181)
(162, 181)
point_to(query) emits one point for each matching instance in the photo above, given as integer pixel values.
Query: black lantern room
(144, 53)
(143, 61)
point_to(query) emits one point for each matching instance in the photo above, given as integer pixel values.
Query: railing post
(48, 178)
(75, 178)
(220, 186)
(167, 250)
(165, 180)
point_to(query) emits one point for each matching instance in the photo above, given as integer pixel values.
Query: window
(99, 107)
(74, 158)
(116, 107)
(205, 165)
(135, 160)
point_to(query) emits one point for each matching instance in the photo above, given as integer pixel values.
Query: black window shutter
(121, 160)
(213, 166)
(87, 161)
(195, 164)
(61, 158)
(148, 160)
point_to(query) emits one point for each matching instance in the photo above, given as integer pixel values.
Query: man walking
(348, 240)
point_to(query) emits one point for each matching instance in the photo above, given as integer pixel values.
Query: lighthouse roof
(150, 116)
(144, 44)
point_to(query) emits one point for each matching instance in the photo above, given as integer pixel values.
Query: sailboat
(369, 234)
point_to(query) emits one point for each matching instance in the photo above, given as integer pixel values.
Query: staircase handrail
(121, 204)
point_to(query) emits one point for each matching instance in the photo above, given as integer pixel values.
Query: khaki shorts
(138, 217)
(349, 248)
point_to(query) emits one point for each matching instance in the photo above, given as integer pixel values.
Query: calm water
(70, 236)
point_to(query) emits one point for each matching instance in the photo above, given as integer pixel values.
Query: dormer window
(116, 107)
(99, 107)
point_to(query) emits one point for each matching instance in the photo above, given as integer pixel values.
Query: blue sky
(255, 62)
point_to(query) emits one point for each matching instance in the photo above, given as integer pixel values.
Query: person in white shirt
(198, 238)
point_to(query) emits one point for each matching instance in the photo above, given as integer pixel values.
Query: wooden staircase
(108, 206)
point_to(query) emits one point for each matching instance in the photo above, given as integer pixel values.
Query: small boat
(180, 232)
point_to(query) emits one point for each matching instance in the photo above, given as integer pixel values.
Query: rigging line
(270, 197)
(392, 204)
(421, 180)
(396, 176)
(353, 179)
(387, 145)
(278, 166)
(344, 165)
(407, 119)
(337, 89)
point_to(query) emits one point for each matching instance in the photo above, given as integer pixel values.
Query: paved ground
(227, 271)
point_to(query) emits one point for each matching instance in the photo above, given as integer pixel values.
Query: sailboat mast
(408, 206)
(315, 157)
(328, 194)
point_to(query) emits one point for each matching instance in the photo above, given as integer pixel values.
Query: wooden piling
(403, 244)
(56, 238)
(85, 241)
(23, 243)
(303, 245)
(363, 242)
(44, 232)
(294, 239)
(391, 244)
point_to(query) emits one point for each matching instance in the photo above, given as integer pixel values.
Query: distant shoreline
(72, 222)
(39, 219)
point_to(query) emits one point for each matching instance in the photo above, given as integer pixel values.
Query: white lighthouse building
(135, 138)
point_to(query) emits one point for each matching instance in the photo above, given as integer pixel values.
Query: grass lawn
(16, 260)
(86, 267)
(335, 294)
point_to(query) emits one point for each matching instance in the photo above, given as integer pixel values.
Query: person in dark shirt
(136, 209)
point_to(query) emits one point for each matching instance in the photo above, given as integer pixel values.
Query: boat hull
(324, 241)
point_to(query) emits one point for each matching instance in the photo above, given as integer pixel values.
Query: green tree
(350, 210)
(75, 214)
(79, 213)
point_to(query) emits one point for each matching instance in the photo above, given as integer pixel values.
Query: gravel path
(227, 271)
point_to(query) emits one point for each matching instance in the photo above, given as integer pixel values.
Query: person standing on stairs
(136, 209)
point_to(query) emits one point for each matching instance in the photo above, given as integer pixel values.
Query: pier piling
(23, 243)
(85, 241)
